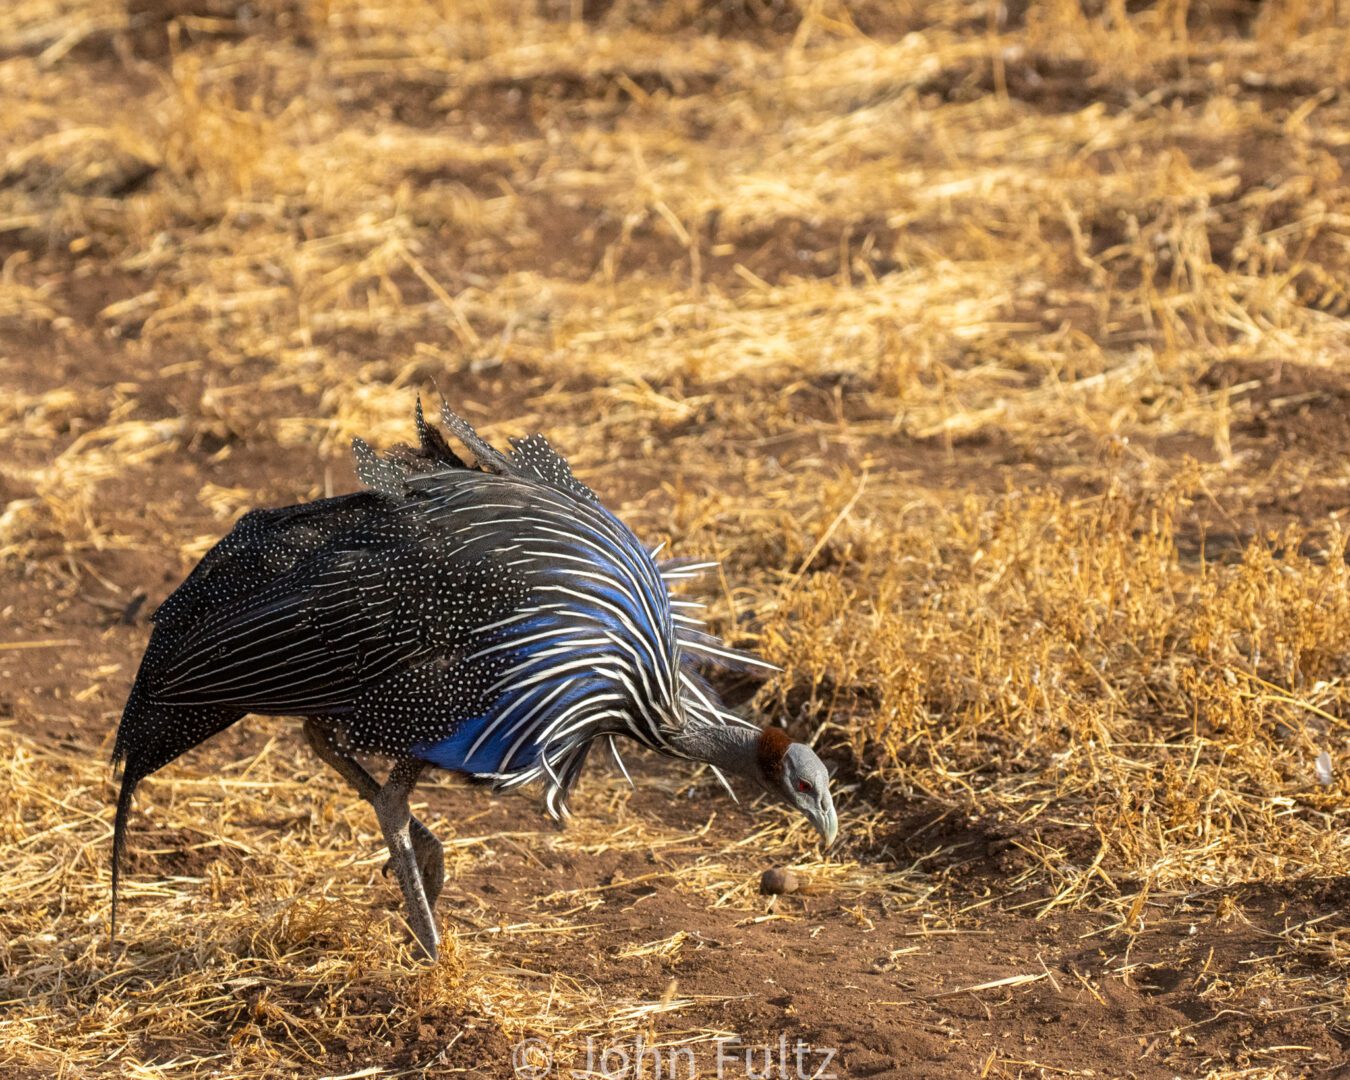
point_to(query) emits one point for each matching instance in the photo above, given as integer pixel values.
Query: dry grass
(286, 960)
(998, 350)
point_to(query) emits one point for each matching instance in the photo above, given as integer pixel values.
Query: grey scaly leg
(391, 810)
(430, 854)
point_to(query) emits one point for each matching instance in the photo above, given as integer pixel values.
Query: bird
(487, 617)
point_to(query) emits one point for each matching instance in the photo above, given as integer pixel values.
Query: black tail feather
(129, 781)
(148, 738)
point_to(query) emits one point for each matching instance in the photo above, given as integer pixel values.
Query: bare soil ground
(1000, 352)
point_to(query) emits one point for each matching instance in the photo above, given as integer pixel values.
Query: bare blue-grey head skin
(803, 782)
(493, 619)
(788, 771)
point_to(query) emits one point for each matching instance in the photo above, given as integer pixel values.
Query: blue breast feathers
(591, 652)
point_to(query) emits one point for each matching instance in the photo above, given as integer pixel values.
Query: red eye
(805, 787)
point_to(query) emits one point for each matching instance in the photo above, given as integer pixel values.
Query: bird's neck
(748, 752)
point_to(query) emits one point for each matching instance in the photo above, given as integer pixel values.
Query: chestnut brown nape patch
(773, 745)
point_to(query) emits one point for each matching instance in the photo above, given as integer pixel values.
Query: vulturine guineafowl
(494, 620)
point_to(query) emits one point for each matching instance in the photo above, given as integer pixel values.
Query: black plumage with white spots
(495, 620)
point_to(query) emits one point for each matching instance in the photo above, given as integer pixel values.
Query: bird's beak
(826, 822)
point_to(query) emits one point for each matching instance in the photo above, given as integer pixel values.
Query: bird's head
(792, 772)
(789, 771)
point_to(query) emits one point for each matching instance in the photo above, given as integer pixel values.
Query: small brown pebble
(776, 882)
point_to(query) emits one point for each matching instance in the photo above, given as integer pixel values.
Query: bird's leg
(430, 853)
(391, 809)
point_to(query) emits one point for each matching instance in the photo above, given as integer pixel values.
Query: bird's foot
(426, 948)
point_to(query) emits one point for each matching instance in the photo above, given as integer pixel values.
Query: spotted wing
(371, 601)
